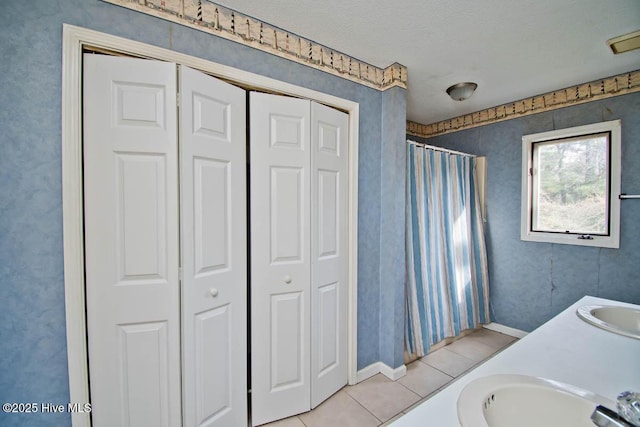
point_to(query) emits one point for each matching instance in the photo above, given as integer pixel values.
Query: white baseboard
(506, 330)
(368, 372)
(401, 371)
(393, 374)
(381, 368)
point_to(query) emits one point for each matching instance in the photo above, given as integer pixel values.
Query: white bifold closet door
(214, 250)
(164, 351)
(298, 254)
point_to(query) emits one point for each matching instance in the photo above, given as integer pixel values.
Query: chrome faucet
(628, 414)
(605, 417)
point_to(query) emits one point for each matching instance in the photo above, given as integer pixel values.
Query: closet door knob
(213, 292)
(287, 279)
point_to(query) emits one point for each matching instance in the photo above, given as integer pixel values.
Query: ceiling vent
(625, 43)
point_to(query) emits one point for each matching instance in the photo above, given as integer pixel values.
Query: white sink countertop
(565, 349)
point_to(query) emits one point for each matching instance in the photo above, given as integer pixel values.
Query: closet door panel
(213, 233)
(287, 197)
(280, 256)
(211, 194)
(213, 365)
(328, 198)
(287, 341)
(141, 224)
(329, 261)
(131, 241)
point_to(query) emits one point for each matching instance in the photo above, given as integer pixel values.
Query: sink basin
(621, 320)
(524, 401)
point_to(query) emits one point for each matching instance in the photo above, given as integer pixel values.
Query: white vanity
(565, 349)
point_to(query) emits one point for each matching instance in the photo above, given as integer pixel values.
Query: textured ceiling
(512, 49)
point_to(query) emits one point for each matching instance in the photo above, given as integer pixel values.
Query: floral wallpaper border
(586, 92)
(222, 22)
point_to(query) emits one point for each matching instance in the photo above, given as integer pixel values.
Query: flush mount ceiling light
(462, 91)
(625, 43)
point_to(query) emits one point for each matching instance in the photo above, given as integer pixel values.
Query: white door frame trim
(74, 40)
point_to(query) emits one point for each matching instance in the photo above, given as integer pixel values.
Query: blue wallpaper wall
(532, 282)
(392, 219)
(32, 317)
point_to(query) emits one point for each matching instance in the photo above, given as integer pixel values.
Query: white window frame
(615, 155)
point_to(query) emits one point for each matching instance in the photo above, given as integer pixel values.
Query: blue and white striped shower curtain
(447, 287)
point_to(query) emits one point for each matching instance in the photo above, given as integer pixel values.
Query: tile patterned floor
(378, 401)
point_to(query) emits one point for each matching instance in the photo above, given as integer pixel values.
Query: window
(571, 184)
